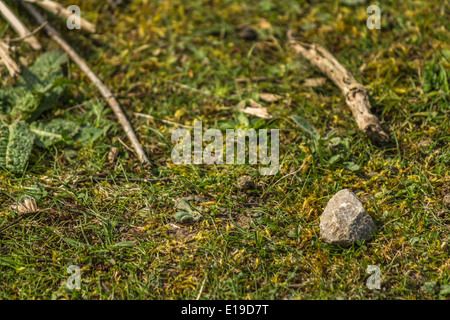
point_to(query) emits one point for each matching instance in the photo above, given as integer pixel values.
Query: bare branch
(11, 65)
(59, 10)
(162, 120)
(18, 26)
(28, 35)
(355, 93)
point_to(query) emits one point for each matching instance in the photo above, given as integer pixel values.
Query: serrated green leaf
(444, 290)
(57, 130)
(243, 120)
(20, 144)
(304, 124)
(124, 244)
(351, 166)
(334, 159)
(89, 134)
(37, 90)
(183, 216)
(4, 137)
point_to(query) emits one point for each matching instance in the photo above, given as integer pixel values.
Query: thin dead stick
(59, 10)
(21, 217)
(12, 224)
(112, 179)
(106, 93)
(204, 93)
(355, 94)
(29, 35)
(125, 145)
(11, 65)
(18, 26)
(162, 120)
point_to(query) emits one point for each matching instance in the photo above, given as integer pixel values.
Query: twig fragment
(356, 95)
(30, 34)
(59, 10)
(113, 179)
(11, 65)
(137, 114)
(18, 26)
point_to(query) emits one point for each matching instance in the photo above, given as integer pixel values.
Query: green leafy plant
(36, 91)
(435, 78)
(329, 148)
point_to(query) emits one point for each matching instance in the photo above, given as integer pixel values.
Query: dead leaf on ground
(315, 82)
(269, 97)
(26, 206)
(112, 156)
(258, 112)
(255, 109)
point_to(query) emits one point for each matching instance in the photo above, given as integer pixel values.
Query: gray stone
(344, 220)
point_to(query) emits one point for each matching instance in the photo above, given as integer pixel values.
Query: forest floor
(258, 243)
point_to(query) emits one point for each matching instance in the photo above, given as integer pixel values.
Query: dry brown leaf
(27, 206)
(255, 109)
(269, 97)
(315, 82)
(112, 156)
(254, 104)
(259, 112)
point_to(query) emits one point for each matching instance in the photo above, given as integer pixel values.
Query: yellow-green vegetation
(261, 243)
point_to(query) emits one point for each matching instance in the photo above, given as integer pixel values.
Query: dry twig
(355, 94)
(11, 65)
(137, 114)
(59, 10)
(18, 26)
(28, 35)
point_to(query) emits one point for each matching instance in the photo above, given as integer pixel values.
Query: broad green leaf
(37, 90)
(20, 144)
(304, 125)
(334, 159)
(124, 244)
(54, 131)
(351, 166)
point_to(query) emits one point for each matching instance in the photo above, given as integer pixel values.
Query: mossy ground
(123, 235)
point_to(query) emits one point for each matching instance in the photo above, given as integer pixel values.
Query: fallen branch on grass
(355, 94)
(28, 35)
(114, 179)
(162, 120)
(106, 93)
(59, 10)
(18, 26)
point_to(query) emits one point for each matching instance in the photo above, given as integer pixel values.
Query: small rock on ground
(245, 183)
(344, 220)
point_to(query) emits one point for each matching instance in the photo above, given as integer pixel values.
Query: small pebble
(245, 183)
